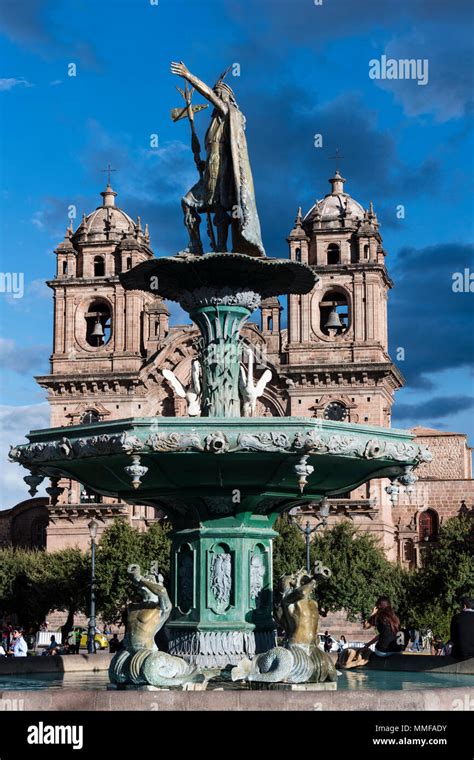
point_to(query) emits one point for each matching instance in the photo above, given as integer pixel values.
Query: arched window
(428, 525)
(129, 262)
(334, 313)
(38, 533)
(90, 416)
(297, 254)
(64, 267)
(366, 251)
(334, 254)
(99, 266)
(270, 323)
(98, 321)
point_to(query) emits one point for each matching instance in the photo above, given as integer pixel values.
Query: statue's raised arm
(181, 70)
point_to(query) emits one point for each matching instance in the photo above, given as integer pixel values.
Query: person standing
(18, 645)
(77, 638)
(114, 644)
(462, 631)
(328, 642)
(415, 647)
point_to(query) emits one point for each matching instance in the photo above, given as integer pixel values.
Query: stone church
(331, 361)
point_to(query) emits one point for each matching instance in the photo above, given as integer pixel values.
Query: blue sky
(303, 71)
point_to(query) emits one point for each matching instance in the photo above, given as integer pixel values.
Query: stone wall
(452, 457)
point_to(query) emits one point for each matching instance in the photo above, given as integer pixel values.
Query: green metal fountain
(222, 476)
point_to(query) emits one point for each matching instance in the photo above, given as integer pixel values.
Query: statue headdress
(222, 85)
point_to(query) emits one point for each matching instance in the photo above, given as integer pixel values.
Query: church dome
(336, 206)
(107, 222)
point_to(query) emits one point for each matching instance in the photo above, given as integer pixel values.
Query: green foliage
(120, 546)
(360, 572)
(34, 582)
(288, 548)
(433, 592)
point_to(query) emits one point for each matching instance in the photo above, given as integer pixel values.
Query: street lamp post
(307, 530)
(93, 525)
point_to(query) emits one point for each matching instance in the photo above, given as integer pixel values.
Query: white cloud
(449, 90)
(9, 84)
(15, 422)
(37, 219)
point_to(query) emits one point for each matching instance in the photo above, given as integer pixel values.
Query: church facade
(331, 361)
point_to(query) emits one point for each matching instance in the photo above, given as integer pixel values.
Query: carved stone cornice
(316, 376)
(73, 385)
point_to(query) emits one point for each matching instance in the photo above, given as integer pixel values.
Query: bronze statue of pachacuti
(225, 186)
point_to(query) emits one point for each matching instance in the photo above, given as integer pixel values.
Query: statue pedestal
(222, 586)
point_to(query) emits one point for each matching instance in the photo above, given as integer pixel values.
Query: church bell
(333, 321)
(98, 331)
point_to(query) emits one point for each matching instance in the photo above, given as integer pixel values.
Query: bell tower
(338, 363)
(103, 337)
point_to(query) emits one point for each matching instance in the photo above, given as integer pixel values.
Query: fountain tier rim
(222, 271)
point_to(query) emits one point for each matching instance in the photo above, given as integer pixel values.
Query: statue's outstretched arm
(180, 70)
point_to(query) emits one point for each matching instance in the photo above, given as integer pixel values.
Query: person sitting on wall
(342, 643)
(462, 631)
(389, 639)
(52, 648)
(437, 646)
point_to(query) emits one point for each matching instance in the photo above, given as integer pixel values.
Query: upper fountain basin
(204, 456)
(171, 276)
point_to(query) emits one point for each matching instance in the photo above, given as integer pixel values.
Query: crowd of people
(392, 639)
(17, 641)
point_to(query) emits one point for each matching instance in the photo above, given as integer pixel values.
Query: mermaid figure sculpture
(140, 662)
(300, 660)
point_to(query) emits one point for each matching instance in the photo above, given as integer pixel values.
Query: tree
(22, 585)
(288, 548)
(34, 582)
(120, 546)
(433, 592)
(157, 547)
(360, 572)
(68, 583)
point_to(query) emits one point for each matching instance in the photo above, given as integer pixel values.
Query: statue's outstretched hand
(179, 69)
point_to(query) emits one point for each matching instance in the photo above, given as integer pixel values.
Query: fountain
(221, 474)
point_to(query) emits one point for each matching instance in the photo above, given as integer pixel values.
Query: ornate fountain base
(222, 585)
(217, 649)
